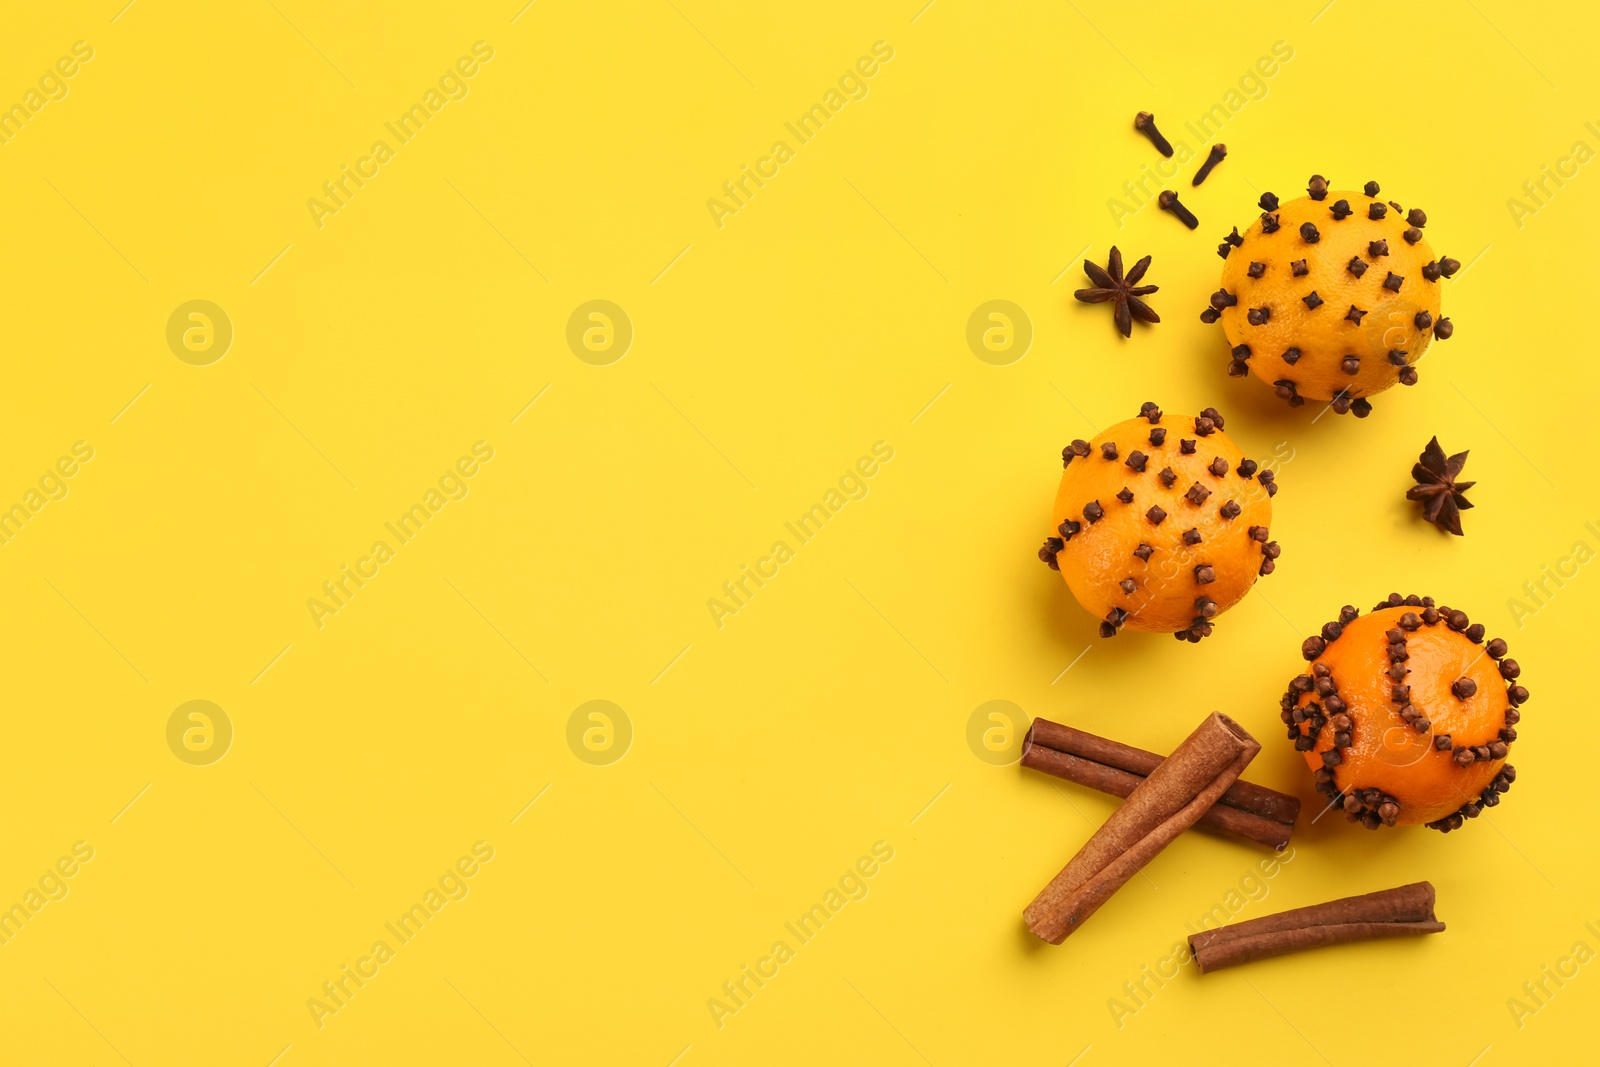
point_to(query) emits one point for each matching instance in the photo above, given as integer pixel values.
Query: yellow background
(768, 355)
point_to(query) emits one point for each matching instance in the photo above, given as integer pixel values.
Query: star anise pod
(1442, 497)
(1123, 291)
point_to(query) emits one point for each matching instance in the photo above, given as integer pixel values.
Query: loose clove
(1168, 200)
(1218, 153)
(1145, 123)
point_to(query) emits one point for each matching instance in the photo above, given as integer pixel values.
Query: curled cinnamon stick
(1169, 801)
(1247, 811)
(1400, 912)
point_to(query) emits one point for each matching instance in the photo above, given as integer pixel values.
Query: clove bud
(1169, 203)
(1218, 153)
(1145, 123)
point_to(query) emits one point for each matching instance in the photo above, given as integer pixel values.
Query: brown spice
(1168, 201)
(1123, 292)
(1145, 123)
(1443, 497)
(1400, 912)
(1218, 153)
(1244, 810)
(1170, 800)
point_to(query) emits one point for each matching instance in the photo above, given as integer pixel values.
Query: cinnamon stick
(1170, 800)
(1401, 912)
(1268, 803)
(1247, 811)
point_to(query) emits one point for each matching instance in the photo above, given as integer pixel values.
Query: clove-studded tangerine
(1161, 524)
(1332, 297)
(1406, 714)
